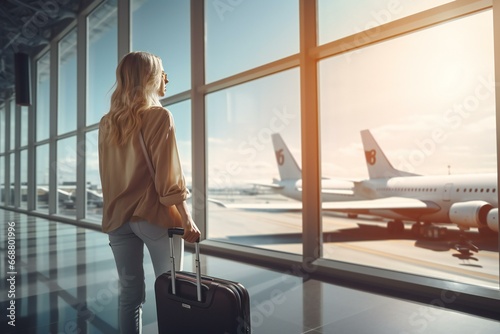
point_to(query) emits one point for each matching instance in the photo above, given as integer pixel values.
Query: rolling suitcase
(193, 303)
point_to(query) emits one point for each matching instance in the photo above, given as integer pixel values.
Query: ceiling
(27, 26)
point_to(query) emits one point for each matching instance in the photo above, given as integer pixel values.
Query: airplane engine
(492, 220)
(471, 214)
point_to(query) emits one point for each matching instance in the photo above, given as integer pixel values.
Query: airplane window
(488, 190)
(482, 189)
(475, 190)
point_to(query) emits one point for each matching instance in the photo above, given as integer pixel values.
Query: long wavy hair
(138, 78)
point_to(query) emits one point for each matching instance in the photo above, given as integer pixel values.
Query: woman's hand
(191, 231)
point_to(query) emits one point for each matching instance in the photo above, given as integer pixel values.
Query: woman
(138, 204)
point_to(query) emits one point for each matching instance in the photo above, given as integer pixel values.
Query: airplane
(290, 184)
(466, 200)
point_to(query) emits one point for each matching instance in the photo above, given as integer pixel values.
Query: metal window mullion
(198, 116)
(311, 174)
(124, 28)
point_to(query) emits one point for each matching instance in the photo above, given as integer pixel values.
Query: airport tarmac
(363, 240)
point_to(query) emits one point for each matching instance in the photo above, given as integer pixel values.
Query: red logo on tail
(280, 157)
(371, 157)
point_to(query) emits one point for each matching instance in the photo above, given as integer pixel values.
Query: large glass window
(2, 180)
(93, 181)
(339, 19)
(182, 117)
(427, 98)
(43, 98)
(42, 177)
(66, 106)
(2, 129)
(102, 50)
(246, 165)
(241, 35)
(11, 180)
(23, 168)
(12, 124)
(24, 126)
(162, 27)
(66, 176)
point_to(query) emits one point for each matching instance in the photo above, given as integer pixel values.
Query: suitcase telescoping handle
(180, 231)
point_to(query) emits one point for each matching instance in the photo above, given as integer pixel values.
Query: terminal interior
(281, 109)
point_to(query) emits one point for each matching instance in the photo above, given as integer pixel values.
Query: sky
(426, 96)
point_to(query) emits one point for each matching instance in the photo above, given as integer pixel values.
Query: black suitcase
(193, 303)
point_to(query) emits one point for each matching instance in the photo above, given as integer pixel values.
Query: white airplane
(467, 200)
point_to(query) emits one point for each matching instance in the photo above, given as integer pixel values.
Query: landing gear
(465, 248)
(428, 231)
(395, 227)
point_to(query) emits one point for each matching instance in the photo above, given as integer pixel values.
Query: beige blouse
(129, 193)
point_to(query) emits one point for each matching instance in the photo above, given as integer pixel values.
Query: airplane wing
(398, 204)
(345, 192)
(268, 185)
(279, 206)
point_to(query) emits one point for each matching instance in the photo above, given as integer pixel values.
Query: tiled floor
(66, 282)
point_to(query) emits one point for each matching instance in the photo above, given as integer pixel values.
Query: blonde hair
(138, 78)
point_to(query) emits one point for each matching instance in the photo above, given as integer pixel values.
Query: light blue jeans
(127, 243)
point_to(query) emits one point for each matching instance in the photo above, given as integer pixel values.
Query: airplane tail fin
(376, 161)
(287, 166)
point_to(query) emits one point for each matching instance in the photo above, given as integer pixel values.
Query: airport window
(11, 180)
(12, 124)
(242, 162)
(92, 179)
(66, 106)
(181, 112)
(23, 169)
(24, 126)
(390, 110)
(339, 19)
(2, 130)
(43, 97)
(66, 176)
(42, 178)
(2, 180)
(163, 28)
(102, 49)
(235, 42)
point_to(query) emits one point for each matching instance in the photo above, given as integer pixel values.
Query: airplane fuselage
(443, 190)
